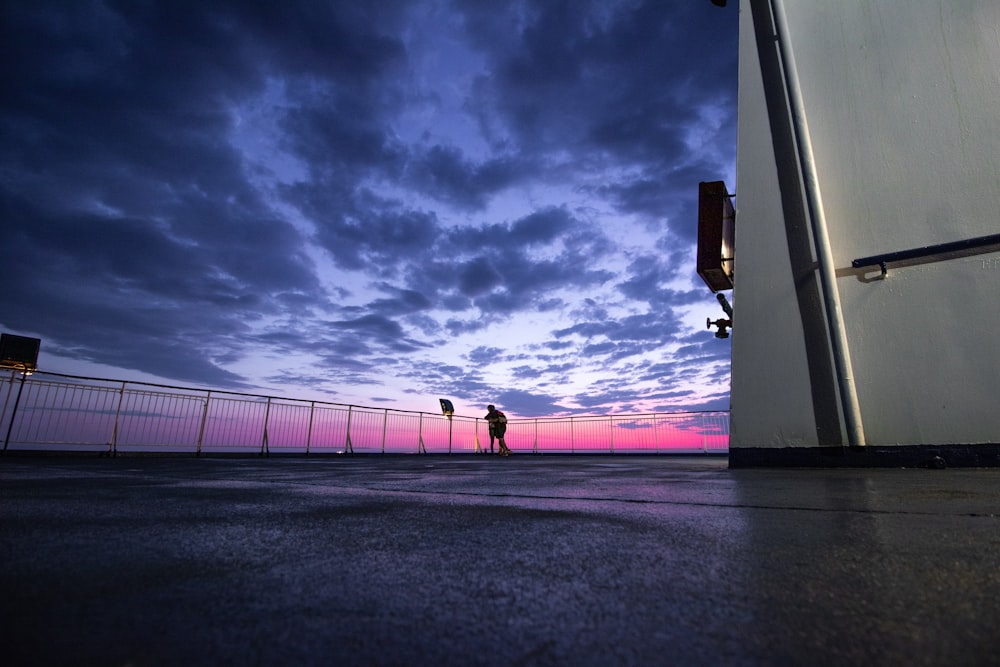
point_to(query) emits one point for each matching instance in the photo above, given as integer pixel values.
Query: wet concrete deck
(527, 560)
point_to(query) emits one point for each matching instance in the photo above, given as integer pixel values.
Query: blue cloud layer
(373, 201)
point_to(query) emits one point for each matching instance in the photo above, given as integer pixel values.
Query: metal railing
(56, 412)
(940, 250)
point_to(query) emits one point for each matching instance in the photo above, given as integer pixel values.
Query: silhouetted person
(498, 427)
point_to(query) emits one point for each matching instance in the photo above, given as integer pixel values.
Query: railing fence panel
(50, 411)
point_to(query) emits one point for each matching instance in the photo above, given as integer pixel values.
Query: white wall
(902, 99)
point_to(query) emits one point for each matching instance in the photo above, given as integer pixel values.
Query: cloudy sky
(371, 202)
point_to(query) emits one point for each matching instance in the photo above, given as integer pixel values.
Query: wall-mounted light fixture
(716, 233)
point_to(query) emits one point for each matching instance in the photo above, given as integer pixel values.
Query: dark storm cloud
(527, 403)
(477, 276)
(177, 177)
(642, 71)
(129, 206)
(443, 172)
(496, 266)
(403, 301)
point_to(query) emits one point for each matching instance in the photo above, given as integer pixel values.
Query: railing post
(264, 446)
(385, 424)
(348, 447)
(6, 398)
(656, 436)
(13, 412)
(572, 445)
(309, 433)
(113, 445)
(704, 435)
(535, 448)
(421, 449)
(204, 419)
(612, 419)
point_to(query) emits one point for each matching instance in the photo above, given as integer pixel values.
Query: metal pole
(6, 399)
(704, 434)
(309, 434)
(420, 437)
(264, 447)
(113, 445)
(385, 424)
(13, 412)
(204, 419)
(348, 447)
(824, 254)
(656, 435)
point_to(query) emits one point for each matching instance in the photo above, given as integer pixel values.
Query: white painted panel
(903, 103)
(772, 405)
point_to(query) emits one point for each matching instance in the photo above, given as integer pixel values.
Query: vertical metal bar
(572, 446)
(656, 435)
(204, 419)
(821, 238)
(13, 412)
(704, 434)
(264, 446)
(6, 399)
(612, 435)
(113, 445)
(535, 448)
(309, 433)
(348, 447)
(420, 436)
(385, 424)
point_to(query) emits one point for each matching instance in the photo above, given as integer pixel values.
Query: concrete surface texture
(527, 560)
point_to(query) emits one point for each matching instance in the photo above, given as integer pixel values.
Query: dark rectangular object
(716, 223)
(19, 352)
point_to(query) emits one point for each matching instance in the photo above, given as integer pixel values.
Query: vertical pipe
(204, 420)
(824, 254)
(535, 448)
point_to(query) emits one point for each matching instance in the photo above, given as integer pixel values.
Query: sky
(370, 202)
